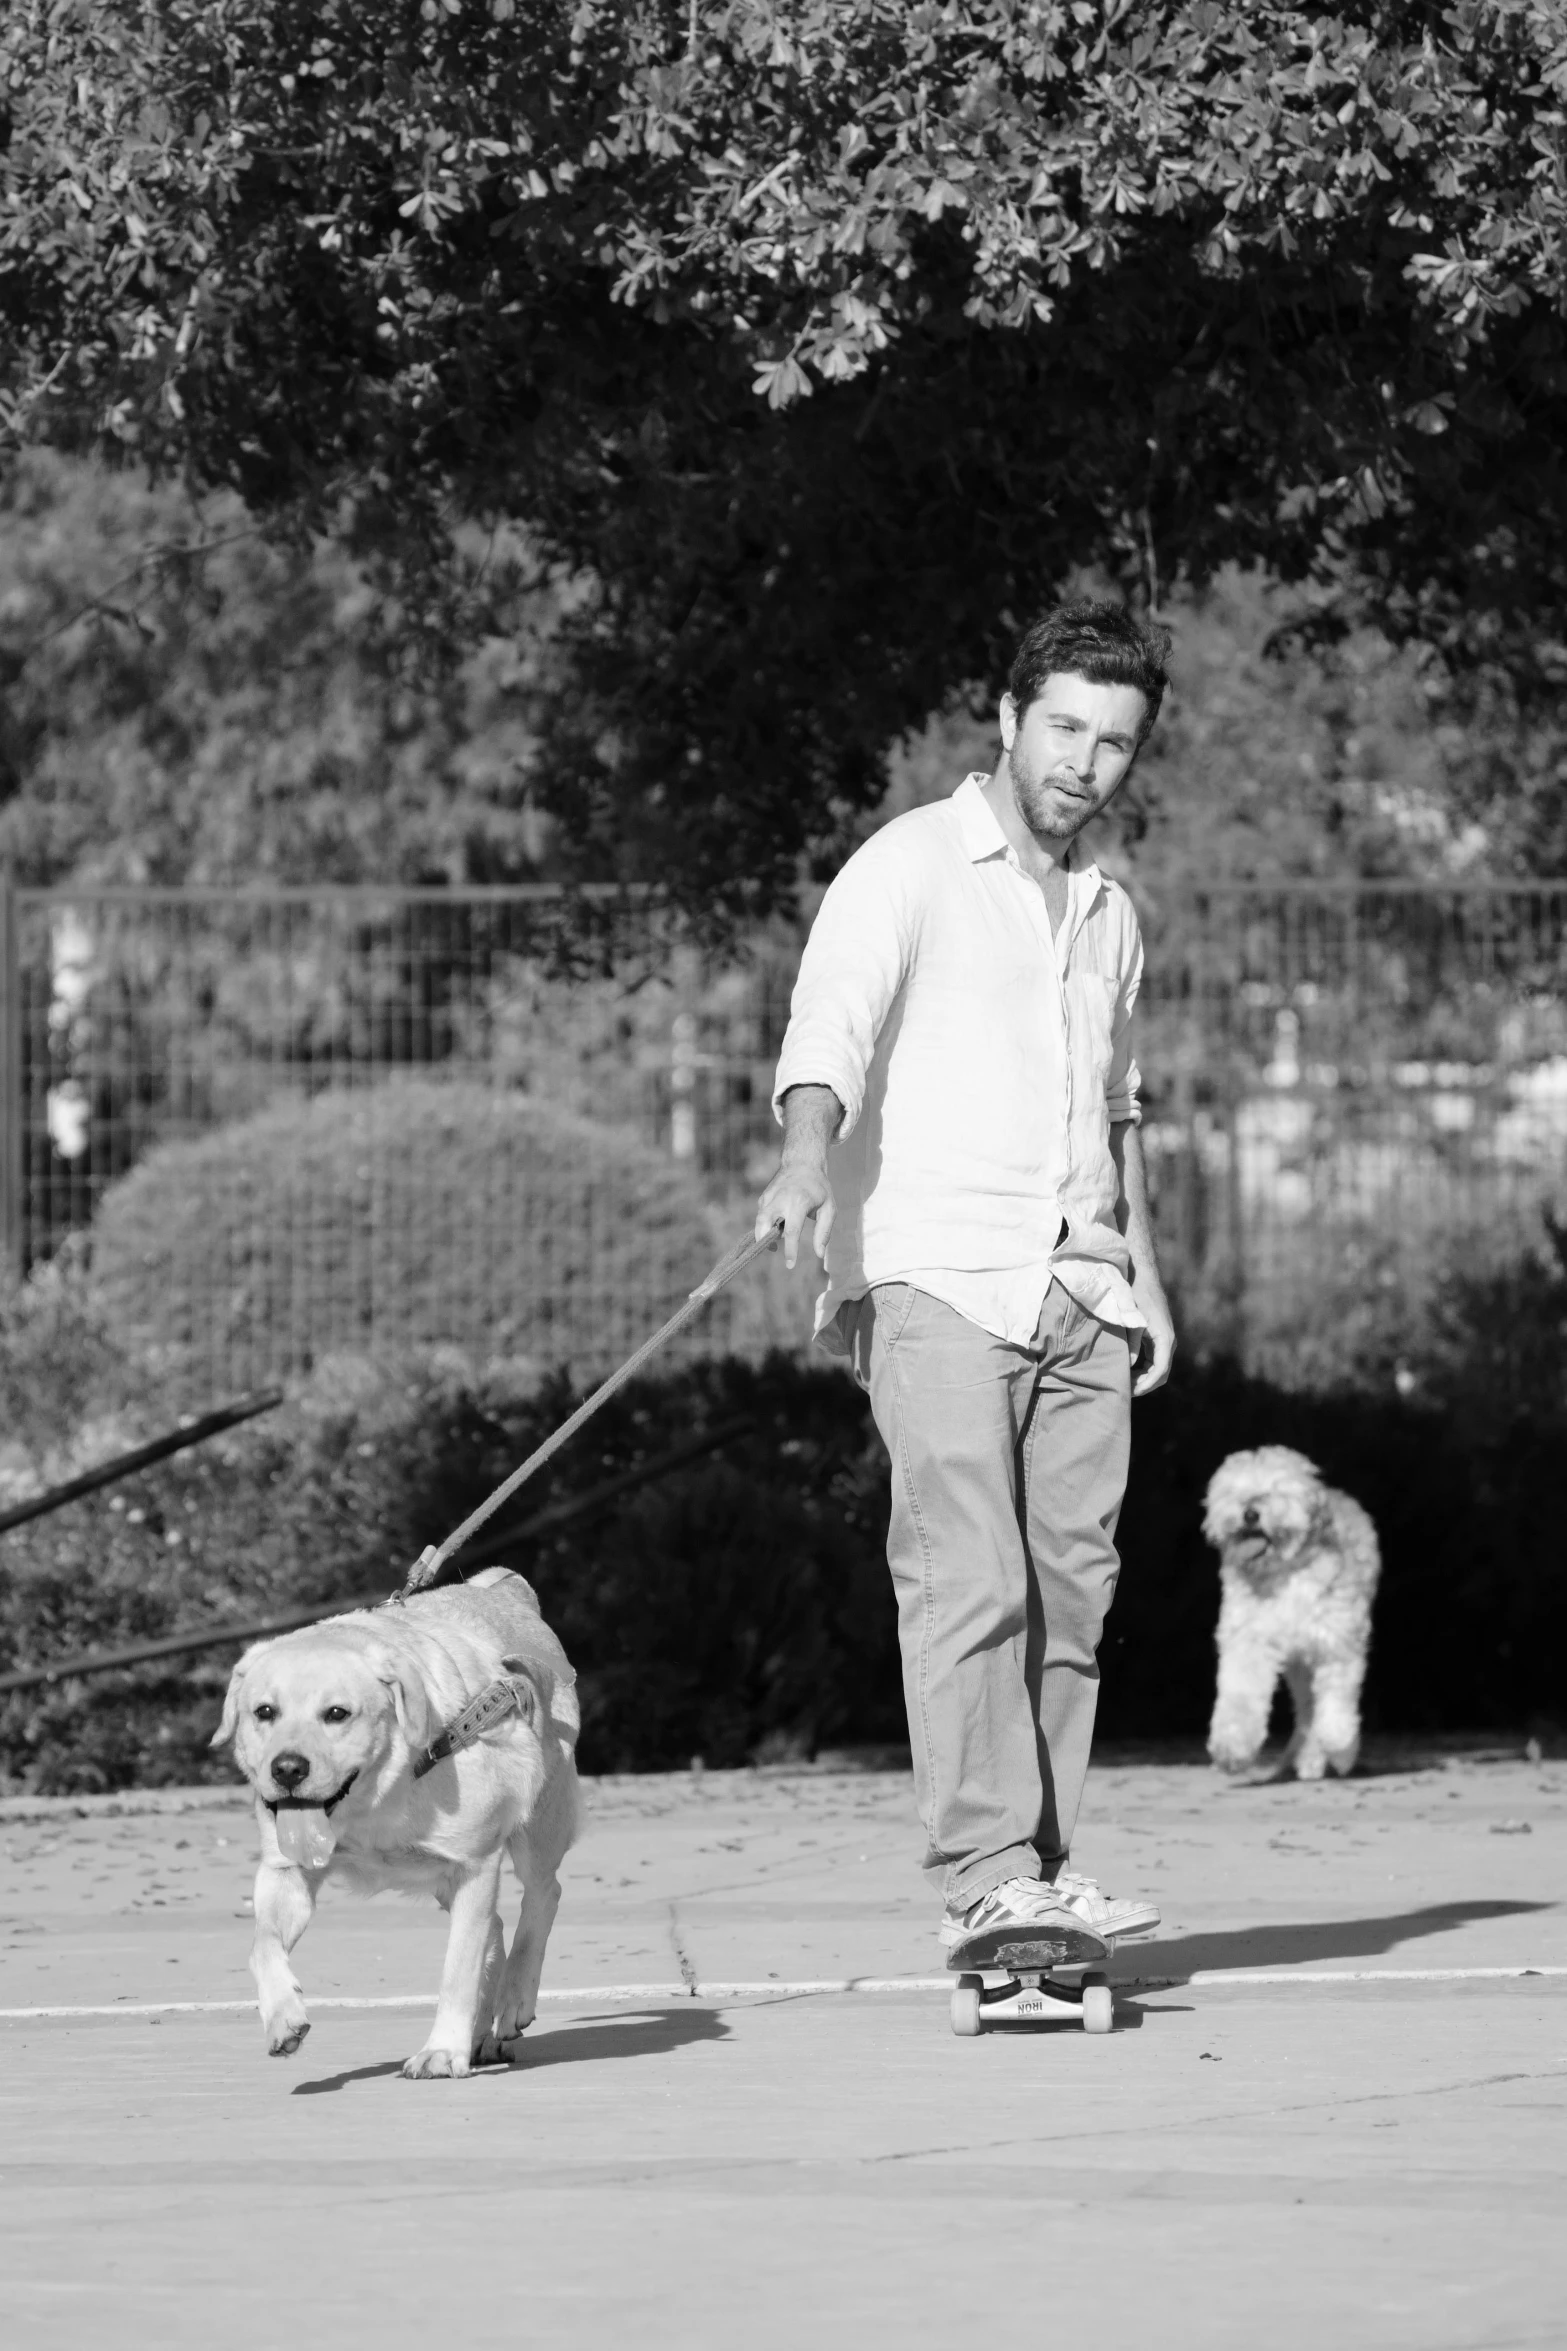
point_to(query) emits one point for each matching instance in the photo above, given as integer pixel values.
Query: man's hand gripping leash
(802, 1189)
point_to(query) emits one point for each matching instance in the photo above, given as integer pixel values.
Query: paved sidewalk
(1375, 2161)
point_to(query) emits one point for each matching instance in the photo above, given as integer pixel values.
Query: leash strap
(494, 1703)
(433, 1558)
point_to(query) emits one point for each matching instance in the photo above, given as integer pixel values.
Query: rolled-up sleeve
(1124, 1079)
(854, 964)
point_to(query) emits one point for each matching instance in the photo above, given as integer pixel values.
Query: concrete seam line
(795, 1989)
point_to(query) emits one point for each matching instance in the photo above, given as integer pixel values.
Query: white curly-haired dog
(1298, 1566)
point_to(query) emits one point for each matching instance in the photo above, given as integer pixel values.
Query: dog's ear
(412, 1703)
(1213, 1515)
(529, 1704)
(229, 1723)
(1313, 1490)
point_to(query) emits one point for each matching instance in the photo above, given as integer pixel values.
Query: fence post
(12, 1161)
(682, 1086)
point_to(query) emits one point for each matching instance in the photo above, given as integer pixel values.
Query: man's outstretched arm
(812, 1116)
(854, 964)
(1158, 1347)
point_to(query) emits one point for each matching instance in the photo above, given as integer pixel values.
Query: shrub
(739, 1601)
(65, 1385)
(1464, 1310)
(418, 1212)
(1457, 1445)
(741, 1605)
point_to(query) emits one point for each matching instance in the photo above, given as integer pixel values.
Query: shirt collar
(982, 836)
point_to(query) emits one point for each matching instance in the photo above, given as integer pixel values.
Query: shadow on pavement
(1286, 1946)
(650, 2032)
(1131, 2011)
(340, 2081)
(641, 2033)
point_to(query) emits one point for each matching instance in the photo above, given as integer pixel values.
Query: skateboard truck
(1032, 1996)
(1029, 1992)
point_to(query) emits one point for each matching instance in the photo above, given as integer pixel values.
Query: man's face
(1070, 751)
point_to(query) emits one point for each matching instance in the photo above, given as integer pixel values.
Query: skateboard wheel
(1098, 2005)
(965, 2008)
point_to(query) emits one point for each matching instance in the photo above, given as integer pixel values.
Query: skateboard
(1029, 1991)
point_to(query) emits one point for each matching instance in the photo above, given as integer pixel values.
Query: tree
(1278, 762)
(824, 337)
(189, 703)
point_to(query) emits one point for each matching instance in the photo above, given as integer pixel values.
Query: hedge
(741, 1607)
(738, 1603)
(420, 1212)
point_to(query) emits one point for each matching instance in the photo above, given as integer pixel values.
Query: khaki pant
(1008, 1471)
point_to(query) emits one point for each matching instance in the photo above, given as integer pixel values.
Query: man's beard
(1050, 820)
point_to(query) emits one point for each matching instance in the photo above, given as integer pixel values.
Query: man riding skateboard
(959, 1104)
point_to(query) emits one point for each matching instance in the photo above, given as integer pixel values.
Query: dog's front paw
(512, 2021)
(437, 2065)
(285, 2029)
(499, 2048)
(1231, 1759)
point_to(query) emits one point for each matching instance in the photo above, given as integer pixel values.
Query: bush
(302, 1506)
(1456, 1444)
(739, 1602)
(740, 1606)
(66, 1387)
(420, 1212)
(1470, 1626)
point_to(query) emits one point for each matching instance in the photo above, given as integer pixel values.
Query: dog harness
(494, 1703)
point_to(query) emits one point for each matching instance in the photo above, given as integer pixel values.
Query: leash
(427, 1567)
(308, 1841)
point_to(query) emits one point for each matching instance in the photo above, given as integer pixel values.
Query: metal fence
(287, 1123)
(1348, 1087)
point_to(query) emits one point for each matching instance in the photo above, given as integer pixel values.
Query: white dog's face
(311, 1713)
(1265, 1508)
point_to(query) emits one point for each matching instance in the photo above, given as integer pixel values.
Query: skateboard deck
(1007, 1949)
(1028, 1993)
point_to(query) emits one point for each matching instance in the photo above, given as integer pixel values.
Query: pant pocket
(893, 1303)
(856, 1319)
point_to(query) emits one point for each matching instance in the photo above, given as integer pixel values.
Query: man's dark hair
(1089, 637)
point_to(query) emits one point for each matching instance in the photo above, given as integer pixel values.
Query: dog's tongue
(305, 1837)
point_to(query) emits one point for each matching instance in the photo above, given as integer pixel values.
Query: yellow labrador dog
(413, 1746)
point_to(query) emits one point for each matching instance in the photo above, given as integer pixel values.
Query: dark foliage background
(738, 1602)
(814, 343)
(739, 1608)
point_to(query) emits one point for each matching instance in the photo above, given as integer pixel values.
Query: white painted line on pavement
(1346, 1975)
(791, 1989)
(664, 1991)
(197, 2007)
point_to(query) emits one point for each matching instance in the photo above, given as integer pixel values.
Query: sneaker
(1022, 1906)
(1111, 1919)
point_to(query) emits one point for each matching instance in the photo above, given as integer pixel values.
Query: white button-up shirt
(980, 1063)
